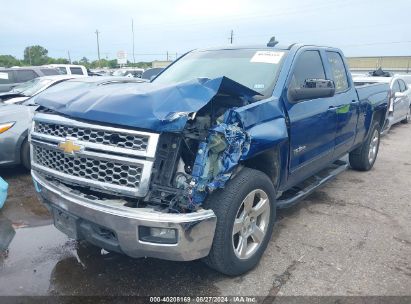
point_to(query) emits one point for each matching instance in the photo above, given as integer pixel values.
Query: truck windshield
(253, 68)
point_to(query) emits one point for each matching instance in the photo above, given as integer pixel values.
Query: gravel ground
(351, 237)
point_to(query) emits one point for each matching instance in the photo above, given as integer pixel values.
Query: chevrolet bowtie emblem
(68, 146)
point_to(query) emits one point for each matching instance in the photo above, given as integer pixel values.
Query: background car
(151, 73)
(11, 77)
(129, 72)
(15, 119)
(31, 88)
(399, 108)
(70, 69)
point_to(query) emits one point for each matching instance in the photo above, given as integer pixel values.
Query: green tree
(8, 61)
(35, 55)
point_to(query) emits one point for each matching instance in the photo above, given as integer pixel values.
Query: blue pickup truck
(194, 164)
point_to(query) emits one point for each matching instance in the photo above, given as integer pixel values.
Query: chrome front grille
(104, 171)
(111, 138)
(113, 160)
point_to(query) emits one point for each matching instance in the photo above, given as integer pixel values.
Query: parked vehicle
(128, 72)
(70, 69)
(3, 191)
(149, 74)
(16, 119)
(9, 78)
(195, 163)
(400, 97)
(32, 87)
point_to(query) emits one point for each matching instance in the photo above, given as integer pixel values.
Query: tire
(229, 204)
(25, 155)
(407, 118)
(363, 158)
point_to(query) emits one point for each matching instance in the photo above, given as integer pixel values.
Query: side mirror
(399, 94)
(312, 89)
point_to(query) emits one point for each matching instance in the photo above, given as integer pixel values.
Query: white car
(70, 69)
(399, 107)
(33, 87)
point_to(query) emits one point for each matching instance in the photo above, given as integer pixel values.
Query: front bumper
(111, 225)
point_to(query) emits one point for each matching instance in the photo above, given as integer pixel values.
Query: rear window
(6, 77)
(76, 71)
(25, 75)
(339, 72)
(48, 72)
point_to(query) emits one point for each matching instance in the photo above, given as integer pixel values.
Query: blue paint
(3, 191)
(318, 134)
(150, 106)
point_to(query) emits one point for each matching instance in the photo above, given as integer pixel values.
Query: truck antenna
(272, 42)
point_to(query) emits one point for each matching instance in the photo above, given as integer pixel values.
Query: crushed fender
(226, 145)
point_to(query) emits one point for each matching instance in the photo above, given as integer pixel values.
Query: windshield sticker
(259, 86)
(4, 75)
(267, 57)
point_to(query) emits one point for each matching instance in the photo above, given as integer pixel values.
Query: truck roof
(278, 46)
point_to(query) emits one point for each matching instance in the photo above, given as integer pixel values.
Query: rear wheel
(245, 211)
(25, 154)
(363, 158)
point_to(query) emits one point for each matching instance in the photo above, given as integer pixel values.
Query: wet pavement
(352, 237)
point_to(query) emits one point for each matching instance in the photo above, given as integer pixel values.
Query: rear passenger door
(311, 124)
(345, 104)
(403, 106)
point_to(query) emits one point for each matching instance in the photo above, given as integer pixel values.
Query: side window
(25, 75)
(48, 72)
(308, 66)
(76, 71)
(403, 87)
(6, 77)
(396, 87)
(62, 70)
(338, 70)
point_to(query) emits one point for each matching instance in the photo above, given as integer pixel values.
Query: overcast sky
(360, 28)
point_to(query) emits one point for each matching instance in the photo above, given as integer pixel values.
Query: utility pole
(231, 37)
(69, 58)
(167, 55)
(98, 47)
(29, 55)
(132, 31)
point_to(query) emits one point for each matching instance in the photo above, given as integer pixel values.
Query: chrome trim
(195, 230)
(141, 191)
(96, 151)
(57, 119)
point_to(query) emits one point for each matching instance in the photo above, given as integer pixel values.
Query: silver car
(15, 120)
(399, 108)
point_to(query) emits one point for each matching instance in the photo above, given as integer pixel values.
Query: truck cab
(195, 163)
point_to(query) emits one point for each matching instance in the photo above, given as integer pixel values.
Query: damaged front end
(201, 138)
(204, 160)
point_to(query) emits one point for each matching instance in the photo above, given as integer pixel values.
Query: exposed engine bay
(191, 164)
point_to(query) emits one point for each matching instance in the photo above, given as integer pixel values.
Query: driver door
(312, 122)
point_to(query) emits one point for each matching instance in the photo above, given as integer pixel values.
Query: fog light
(157, 235)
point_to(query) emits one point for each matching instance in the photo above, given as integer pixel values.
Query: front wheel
(245, 211)
(363, 158)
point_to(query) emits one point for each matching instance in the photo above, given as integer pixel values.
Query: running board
(295, 194)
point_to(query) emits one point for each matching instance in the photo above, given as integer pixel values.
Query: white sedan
(399, 108)
(31, 88)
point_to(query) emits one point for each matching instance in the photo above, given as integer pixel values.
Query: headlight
(5, 126)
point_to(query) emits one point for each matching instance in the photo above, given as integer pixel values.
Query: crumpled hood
(151, 106)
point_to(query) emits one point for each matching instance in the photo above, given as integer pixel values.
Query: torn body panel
(150, 106)
(207, 129)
